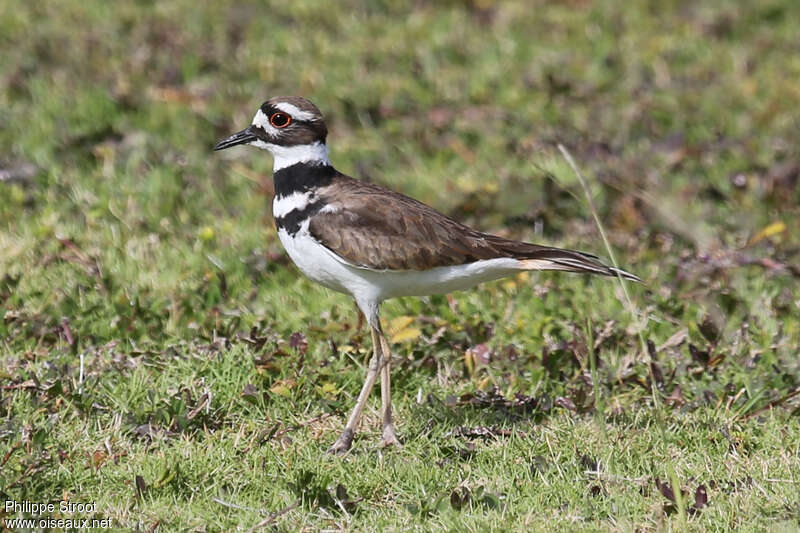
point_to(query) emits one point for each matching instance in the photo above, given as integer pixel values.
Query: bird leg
(345, 440)
(389, 436)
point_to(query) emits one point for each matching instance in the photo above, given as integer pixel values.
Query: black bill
(243, 137)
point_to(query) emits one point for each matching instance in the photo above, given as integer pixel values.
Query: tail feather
(573, 261)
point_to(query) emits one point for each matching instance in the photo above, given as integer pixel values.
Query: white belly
(441, 280)
(323, 266)
(316, 261)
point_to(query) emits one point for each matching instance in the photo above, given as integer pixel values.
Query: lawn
(161, 357)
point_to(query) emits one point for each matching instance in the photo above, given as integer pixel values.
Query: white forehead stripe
(295, 112)
(262, 121)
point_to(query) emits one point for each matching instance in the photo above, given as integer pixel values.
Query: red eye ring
(280, 120)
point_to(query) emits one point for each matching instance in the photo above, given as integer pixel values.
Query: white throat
(315, 153)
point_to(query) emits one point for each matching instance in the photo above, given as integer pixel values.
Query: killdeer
(373, 243)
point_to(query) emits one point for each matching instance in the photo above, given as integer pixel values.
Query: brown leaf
(675, 340)
(595, 491)
(141, 486)
(493, 399)
(700, 497)
(566, 403)
(698, 356)
(481, 354)
(298, 341)
(675, 399)
(480, 432)
(666, 490)
(651, 349)
(589, 463)
(708, 328)
(67, 331)
(98, 458)
(204, 399)
(250, 391)
(459, 498)
(658, 375)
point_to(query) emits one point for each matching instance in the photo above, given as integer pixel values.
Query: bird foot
(390, 437)
(343, 443)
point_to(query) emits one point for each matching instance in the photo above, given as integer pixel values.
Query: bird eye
(280, 120)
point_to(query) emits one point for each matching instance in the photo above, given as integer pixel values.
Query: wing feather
(379, 229)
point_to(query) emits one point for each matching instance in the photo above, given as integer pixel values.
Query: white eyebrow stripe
(295, 112)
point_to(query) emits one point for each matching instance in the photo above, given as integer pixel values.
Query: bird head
(290, 127)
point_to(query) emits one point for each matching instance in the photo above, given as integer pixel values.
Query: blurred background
(683, 114)
(144, 294)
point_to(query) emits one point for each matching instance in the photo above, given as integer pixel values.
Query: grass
(161, 356)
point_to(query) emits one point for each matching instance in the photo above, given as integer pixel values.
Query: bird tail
(572, 261)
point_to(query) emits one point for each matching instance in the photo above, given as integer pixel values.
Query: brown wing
(373, 227)
(383, 230)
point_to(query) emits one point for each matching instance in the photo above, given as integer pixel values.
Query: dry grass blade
(631, 307)
(272, 517)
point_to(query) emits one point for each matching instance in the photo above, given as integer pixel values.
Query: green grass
(214, 375)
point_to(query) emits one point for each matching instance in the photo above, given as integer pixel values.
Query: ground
(162, 357)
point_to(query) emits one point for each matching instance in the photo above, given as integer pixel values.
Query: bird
(372, 243)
